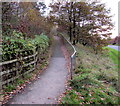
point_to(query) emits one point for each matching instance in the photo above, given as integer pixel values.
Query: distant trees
(88, 23)
(115, 40)
(26, 17)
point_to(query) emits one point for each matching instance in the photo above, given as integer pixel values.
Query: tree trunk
(74, 26)
(70, 21)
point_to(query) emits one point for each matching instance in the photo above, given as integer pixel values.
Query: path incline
(50, 84)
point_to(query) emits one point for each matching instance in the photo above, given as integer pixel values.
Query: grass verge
(95, 79)
(113, 54)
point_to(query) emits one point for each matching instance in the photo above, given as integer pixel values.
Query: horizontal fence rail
(22, 58)
(72, 51)
(16, 68)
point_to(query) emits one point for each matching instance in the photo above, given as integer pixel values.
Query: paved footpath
(114, 47)
(50, 84)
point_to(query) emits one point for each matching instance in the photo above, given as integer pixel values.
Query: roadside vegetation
(95, 80)
(113, 54)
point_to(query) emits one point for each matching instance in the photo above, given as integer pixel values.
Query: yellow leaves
(28, 10)
(25, 5)
(32, 15)
(29, 44)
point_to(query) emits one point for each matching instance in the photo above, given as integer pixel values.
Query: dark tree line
(88, 23)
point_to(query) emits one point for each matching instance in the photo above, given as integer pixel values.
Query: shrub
(16, 46)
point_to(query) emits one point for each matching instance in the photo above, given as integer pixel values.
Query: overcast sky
(113, 5)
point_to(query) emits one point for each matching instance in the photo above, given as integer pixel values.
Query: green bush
(41, 41)
(16, 44)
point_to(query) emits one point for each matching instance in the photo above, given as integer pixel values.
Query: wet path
(50, 84)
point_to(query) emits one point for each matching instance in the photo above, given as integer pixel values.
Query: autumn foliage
(26, 17)
(88, 23)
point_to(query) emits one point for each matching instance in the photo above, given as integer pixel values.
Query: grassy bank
(113, 54)
(95, 79)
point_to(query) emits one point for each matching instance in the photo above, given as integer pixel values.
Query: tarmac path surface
(51, 82)
(114, 47)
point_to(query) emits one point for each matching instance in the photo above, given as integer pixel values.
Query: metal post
(71, 67)
(75, 61)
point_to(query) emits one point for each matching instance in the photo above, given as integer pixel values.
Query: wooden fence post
(0, 78)
(34, 58)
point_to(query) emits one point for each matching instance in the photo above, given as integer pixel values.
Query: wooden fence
(13, 69)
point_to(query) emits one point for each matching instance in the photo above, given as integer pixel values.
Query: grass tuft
(95, 79)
